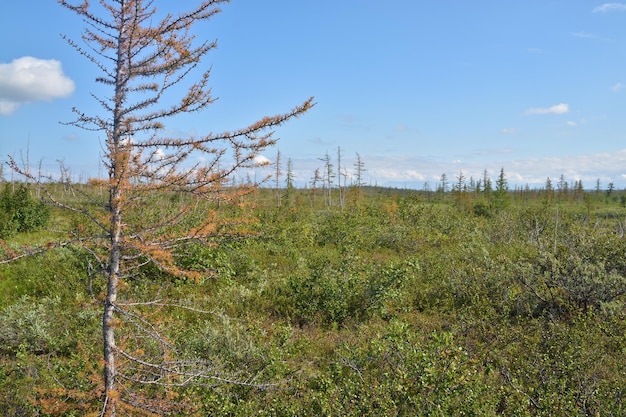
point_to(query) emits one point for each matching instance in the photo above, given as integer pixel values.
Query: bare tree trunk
(109, 346)
(119, 153)
(339, 177)
(108, 327)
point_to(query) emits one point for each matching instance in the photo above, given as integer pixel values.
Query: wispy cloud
(610, 7)
(585, 35)
(401, 128)
(353, 121)
(347, 118)
(508, 131)
(29, 79)
(616, 88)
(571, 123)
(71, 137)
(556, 109)
(317, 140)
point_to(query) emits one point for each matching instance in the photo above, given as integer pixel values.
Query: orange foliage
(391, 207)
(142, 60)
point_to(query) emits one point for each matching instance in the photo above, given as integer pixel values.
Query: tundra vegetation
(177, 288)
(469, 301)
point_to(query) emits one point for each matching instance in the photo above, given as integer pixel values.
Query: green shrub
(19, 212)
(559, 369)
(33, 327)
(575, 282)
(331, 295)
(399, 371)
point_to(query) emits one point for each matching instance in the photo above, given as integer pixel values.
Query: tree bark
(119, 152)
(108, 325)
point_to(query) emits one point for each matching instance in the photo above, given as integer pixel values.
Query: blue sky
(417, 88)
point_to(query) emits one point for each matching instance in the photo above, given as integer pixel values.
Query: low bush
(19, 212)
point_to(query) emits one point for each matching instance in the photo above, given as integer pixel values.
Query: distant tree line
(334, 182)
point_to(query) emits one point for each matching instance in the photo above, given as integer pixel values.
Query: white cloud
(571, 123)
(8, 107)
(618, 87)
(387, 175)
(157, 161)
(556, 109)
(610, 7)
(414, 171)
(261, 160)
(29, 79)
(159, 154)
(508, 131)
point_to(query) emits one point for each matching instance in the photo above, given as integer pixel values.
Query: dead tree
(142, 59)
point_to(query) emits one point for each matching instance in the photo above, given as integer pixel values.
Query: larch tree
(339, 177)
(359, 169)
(487, 185)
(328, 178)
(142, 58)
(290, 178)
(315, 180)
(278, 172)
(549, 190)
(444, 183)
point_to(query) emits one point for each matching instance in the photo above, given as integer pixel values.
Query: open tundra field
(160, 256)
(373, 302)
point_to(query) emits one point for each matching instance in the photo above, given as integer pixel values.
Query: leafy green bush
(398, 371)
(576, 267)
(569, 281)
(331, 295)
(34, 327)
(19, 212)
(556, 368)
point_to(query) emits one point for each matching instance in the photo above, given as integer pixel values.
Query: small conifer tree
(501, 195)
